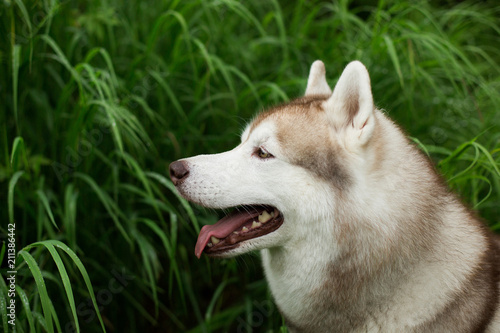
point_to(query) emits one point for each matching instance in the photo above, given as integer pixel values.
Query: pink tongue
(224, 227)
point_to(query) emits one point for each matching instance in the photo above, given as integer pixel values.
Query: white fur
(316, 84)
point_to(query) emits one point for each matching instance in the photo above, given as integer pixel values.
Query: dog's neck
(316, 278)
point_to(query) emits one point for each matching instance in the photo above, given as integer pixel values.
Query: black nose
(178, 171)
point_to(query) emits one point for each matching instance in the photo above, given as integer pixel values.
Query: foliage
(98, 97)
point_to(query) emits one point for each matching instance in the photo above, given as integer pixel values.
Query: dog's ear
(351, 105)
(316, 84)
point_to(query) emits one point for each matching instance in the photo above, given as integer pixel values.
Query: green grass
(98, 97)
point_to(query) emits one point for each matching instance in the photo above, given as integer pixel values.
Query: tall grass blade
(108, 203)
(55, 317)
(26, 306)
(65, 279)
(46, 205)
(42, 290)
(170, 93)
(395, 59)
(10, 198)
(16, 55)
(40, 320)
(27, 21)
(150, 262)
(3, 303)
(245, 14)
(170, 252)
(139, 173)
(70, 211)
(168, 184)
(495, 165)
(18, 151)
(217, 294)
(61, 58)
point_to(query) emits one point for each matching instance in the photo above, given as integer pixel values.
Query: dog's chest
(309, 301)
(296, 285)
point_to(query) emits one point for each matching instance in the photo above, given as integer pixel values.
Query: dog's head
(293, 163)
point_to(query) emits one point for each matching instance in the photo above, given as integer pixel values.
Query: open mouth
(244, 223)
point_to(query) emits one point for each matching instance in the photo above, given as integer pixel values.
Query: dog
(356, 230)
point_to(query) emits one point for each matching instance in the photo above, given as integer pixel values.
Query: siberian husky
(357, 231)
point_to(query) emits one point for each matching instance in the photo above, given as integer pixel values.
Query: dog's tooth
(214, 240)
(235, 232)
(264, 217)
(210, 244)
(244, 229)
(255, 224)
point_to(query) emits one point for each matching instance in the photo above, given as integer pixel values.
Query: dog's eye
(263, 154)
